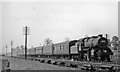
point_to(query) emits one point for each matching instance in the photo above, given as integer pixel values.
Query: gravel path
(21, 64)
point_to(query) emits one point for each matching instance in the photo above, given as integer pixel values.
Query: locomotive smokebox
(100, 35)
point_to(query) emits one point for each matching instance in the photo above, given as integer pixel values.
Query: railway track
(74, 64)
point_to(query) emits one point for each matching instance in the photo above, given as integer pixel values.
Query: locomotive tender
(93, 48)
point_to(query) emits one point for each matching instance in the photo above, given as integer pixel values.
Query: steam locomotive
(93, 48)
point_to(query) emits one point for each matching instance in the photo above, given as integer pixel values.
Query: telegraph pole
(11, 48)
(26, 32)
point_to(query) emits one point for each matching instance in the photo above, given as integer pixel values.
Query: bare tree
(86, 36)
(48, 41)
(22, 47)
(40, 44)
(67, 39)
(115, 42)
(115, 39)
(32, 46)
(17, 47)
(119, 45)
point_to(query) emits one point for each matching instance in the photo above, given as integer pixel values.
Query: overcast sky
(57, 20)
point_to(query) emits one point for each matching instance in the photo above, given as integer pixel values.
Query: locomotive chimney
(106, 36)
(100, 35)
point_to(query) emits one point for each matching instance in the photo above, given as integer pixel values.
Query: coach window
(55, 49)
(60, 47)
(67, 47)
